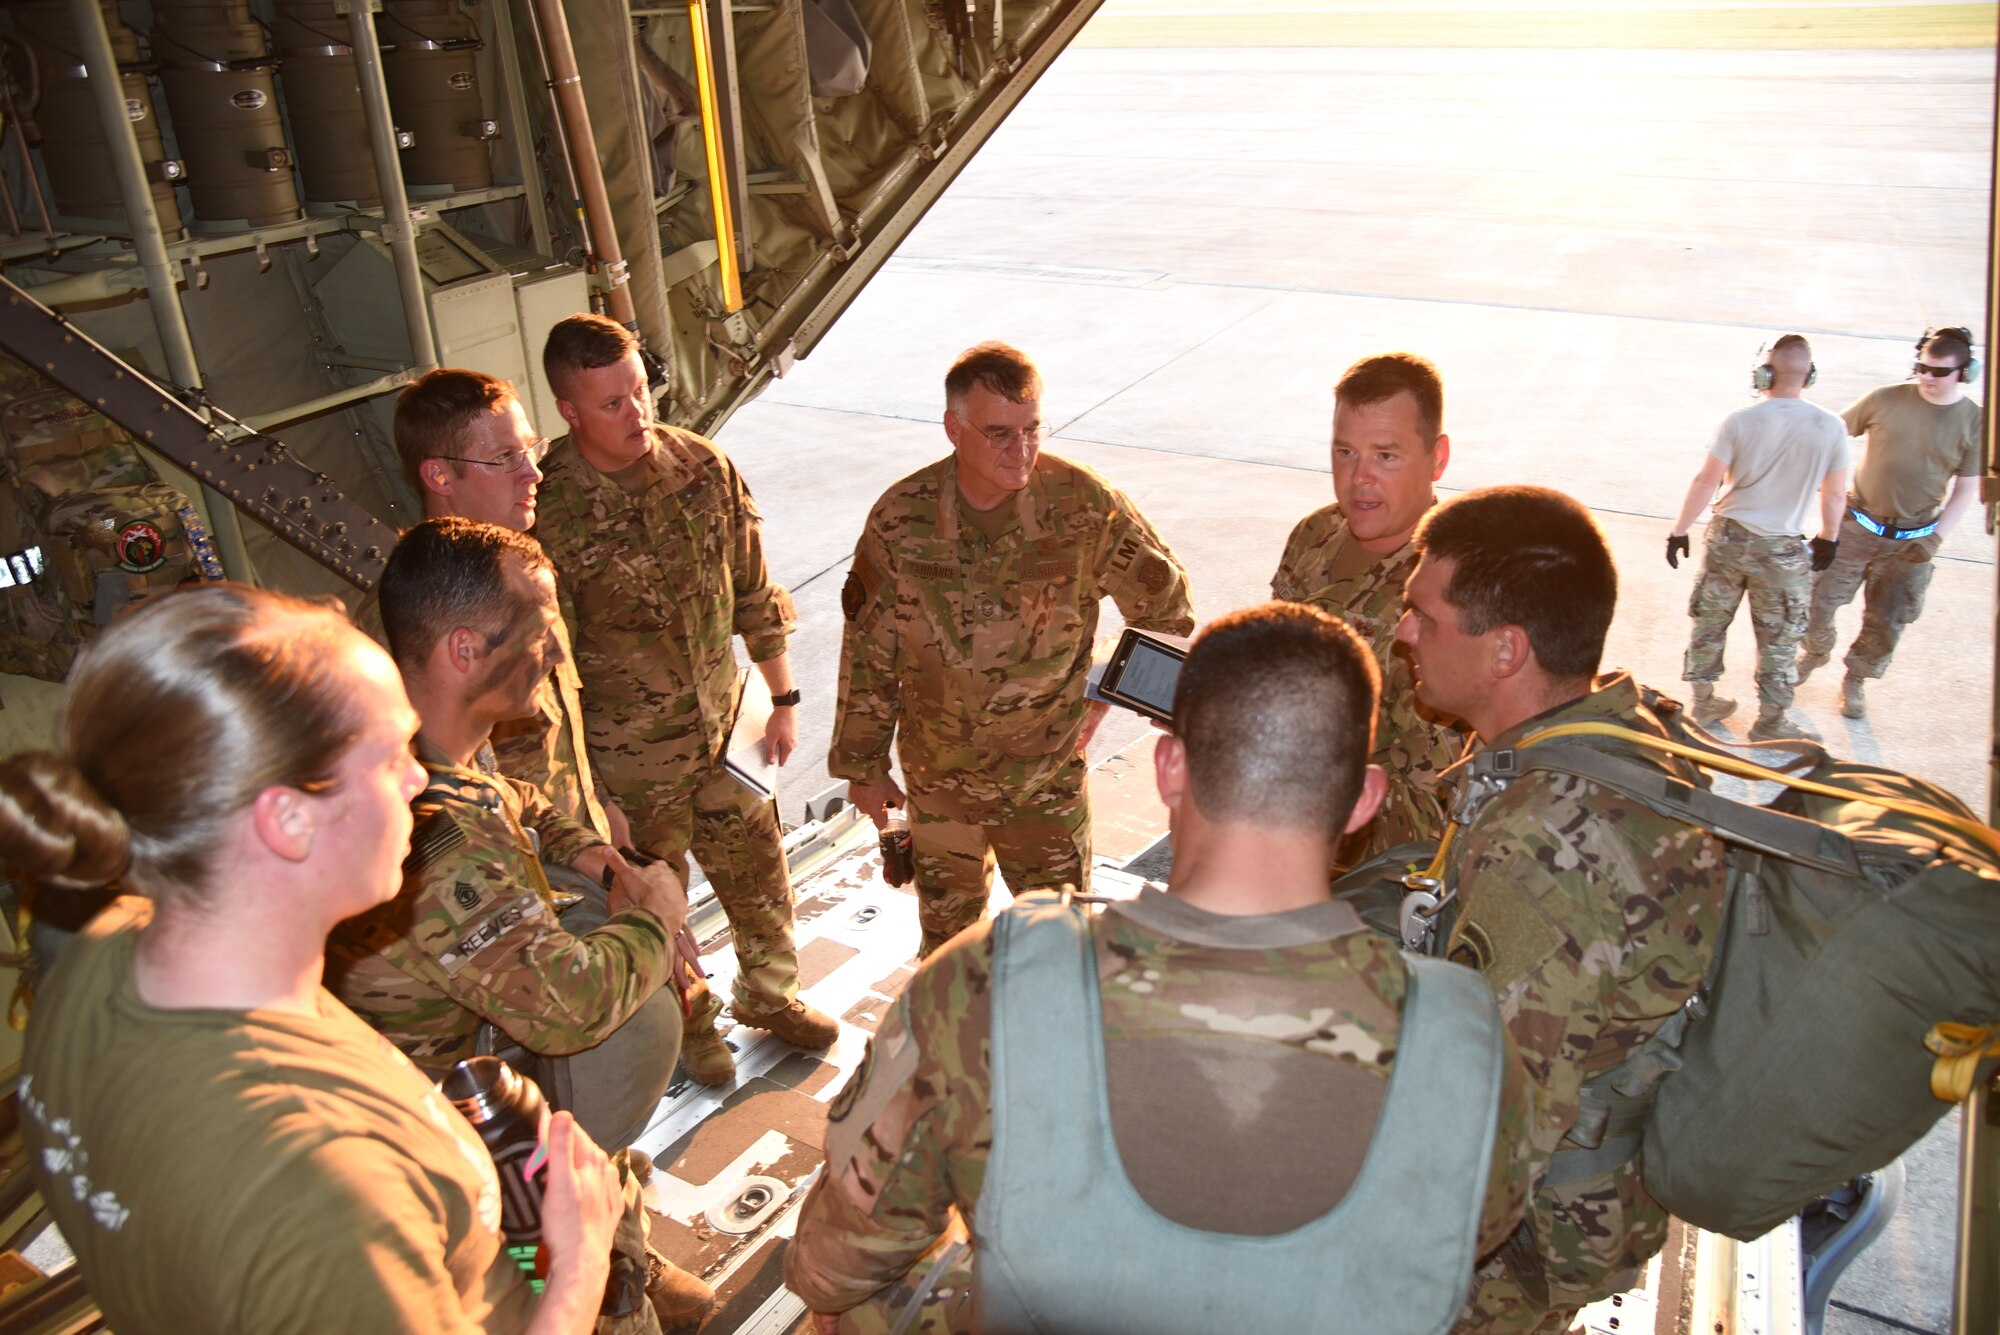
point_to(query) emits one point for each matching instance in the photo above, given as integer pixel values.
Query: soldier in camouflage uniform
(1265, 1006)
(1350, 558)
(1593, 917)
(659, 553)
(470, 613)
(971, 609)
(469, 450)
(1775, 456)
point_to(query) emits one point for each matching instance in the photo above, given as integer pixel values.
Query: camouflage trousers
(734, 836)
(1891, 576)
(628, 1249)
(1592, 1236)
(1777, 574)
(1042, 843)
(940, 1282)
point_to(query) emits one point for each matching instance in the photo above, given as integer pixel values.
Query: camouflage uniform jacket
(474, 935)
(978, 650)
(543, 750)
(659, 567)
(1594, 918)
(908, 1138)
(1412, 745)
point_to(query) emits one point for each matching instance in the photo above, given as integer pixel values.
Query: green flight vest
(1063, 1242)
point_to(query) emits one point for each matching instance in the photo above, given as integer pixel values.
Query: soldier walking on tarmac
(1775, 457)
(659, 554)
(971, 612)
(1918, 477)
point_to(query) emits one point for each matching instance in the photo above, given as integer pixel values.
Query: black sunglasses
(1925, 368)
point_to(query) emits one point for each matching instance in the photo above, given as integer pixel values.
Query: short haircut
(583, 343)
(434, 413)
(1792, 341)
(1005, 370)
(1528, 557)
(448, 573)
(1276, 707)
(1948, 343)
(1374, 379)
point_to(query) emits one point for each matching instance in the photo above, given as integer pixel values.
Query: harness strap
(1972, 829)
(1960, 1049)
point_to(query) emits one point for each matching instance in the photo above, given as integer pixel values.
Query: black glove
(1677, 547)
(1823, 552)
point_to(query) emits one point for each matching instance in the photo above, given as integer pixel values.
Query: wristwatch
(789, 698)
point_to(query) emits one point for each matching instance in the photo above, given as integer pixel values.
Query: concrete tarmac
(1592, 245)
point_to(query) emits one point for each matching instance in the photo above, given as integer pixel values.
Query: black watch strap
(790, 697)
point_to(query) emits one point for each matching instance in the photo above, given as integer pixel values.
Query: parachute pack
(86, 528)
(1853, 999)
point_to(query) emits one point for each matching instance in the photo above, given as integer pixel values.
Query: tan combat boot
(1773, 725)
(706, 1057)
(678, 1298)
(1810, 663)
(1708, 706)
(1851, 703)
(796, 1023)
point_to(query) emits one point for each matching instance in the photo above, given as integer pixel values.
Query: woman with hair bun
(225, 1146)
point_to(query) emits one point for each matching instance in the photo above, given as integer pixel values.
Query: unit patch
(141, 547)
(1155, 574)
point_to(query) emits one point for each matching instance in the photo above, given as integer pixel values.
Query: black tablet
(1143, 671)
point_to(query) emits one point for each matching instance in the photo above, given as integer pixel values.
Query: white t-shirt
(1777, 453)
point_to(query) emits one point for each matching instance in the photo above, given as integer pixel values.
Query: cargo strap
(1744, 769)
(1960, 1049)
(1882, 530)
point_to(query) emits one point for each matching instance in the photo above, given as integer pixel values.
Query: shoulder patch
(1155, 574)
(434, 838)
(863, 582)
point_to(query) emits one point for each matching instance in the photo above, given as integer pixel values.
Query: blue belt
(1893, 534)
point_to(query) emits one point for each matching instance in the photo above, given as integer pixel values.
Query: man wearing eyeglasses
(469, 451)
(971, 611)
(1918, 477)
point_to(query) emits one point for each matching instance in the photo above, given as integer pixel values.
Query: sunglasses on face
(1925, 368)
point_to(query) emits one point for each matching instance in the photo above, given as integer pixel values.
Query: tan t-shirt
(1915, 449)
(254, 1171)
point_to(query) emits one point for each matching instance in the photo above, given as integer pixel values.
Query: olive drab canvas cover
(1810, 1067)
(1854, 929)
(87, 530)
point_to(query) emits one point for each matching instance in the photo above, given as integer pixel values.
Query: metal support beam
(521, 130)
(298, 412)
(255, 472)
(397, 230)
(707, 77)
(1975, 1296)
(729, 107)
(161, 281)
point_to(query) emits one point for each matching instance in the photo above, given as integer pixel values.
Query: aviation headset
(1762, 376)
(1966, 373)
